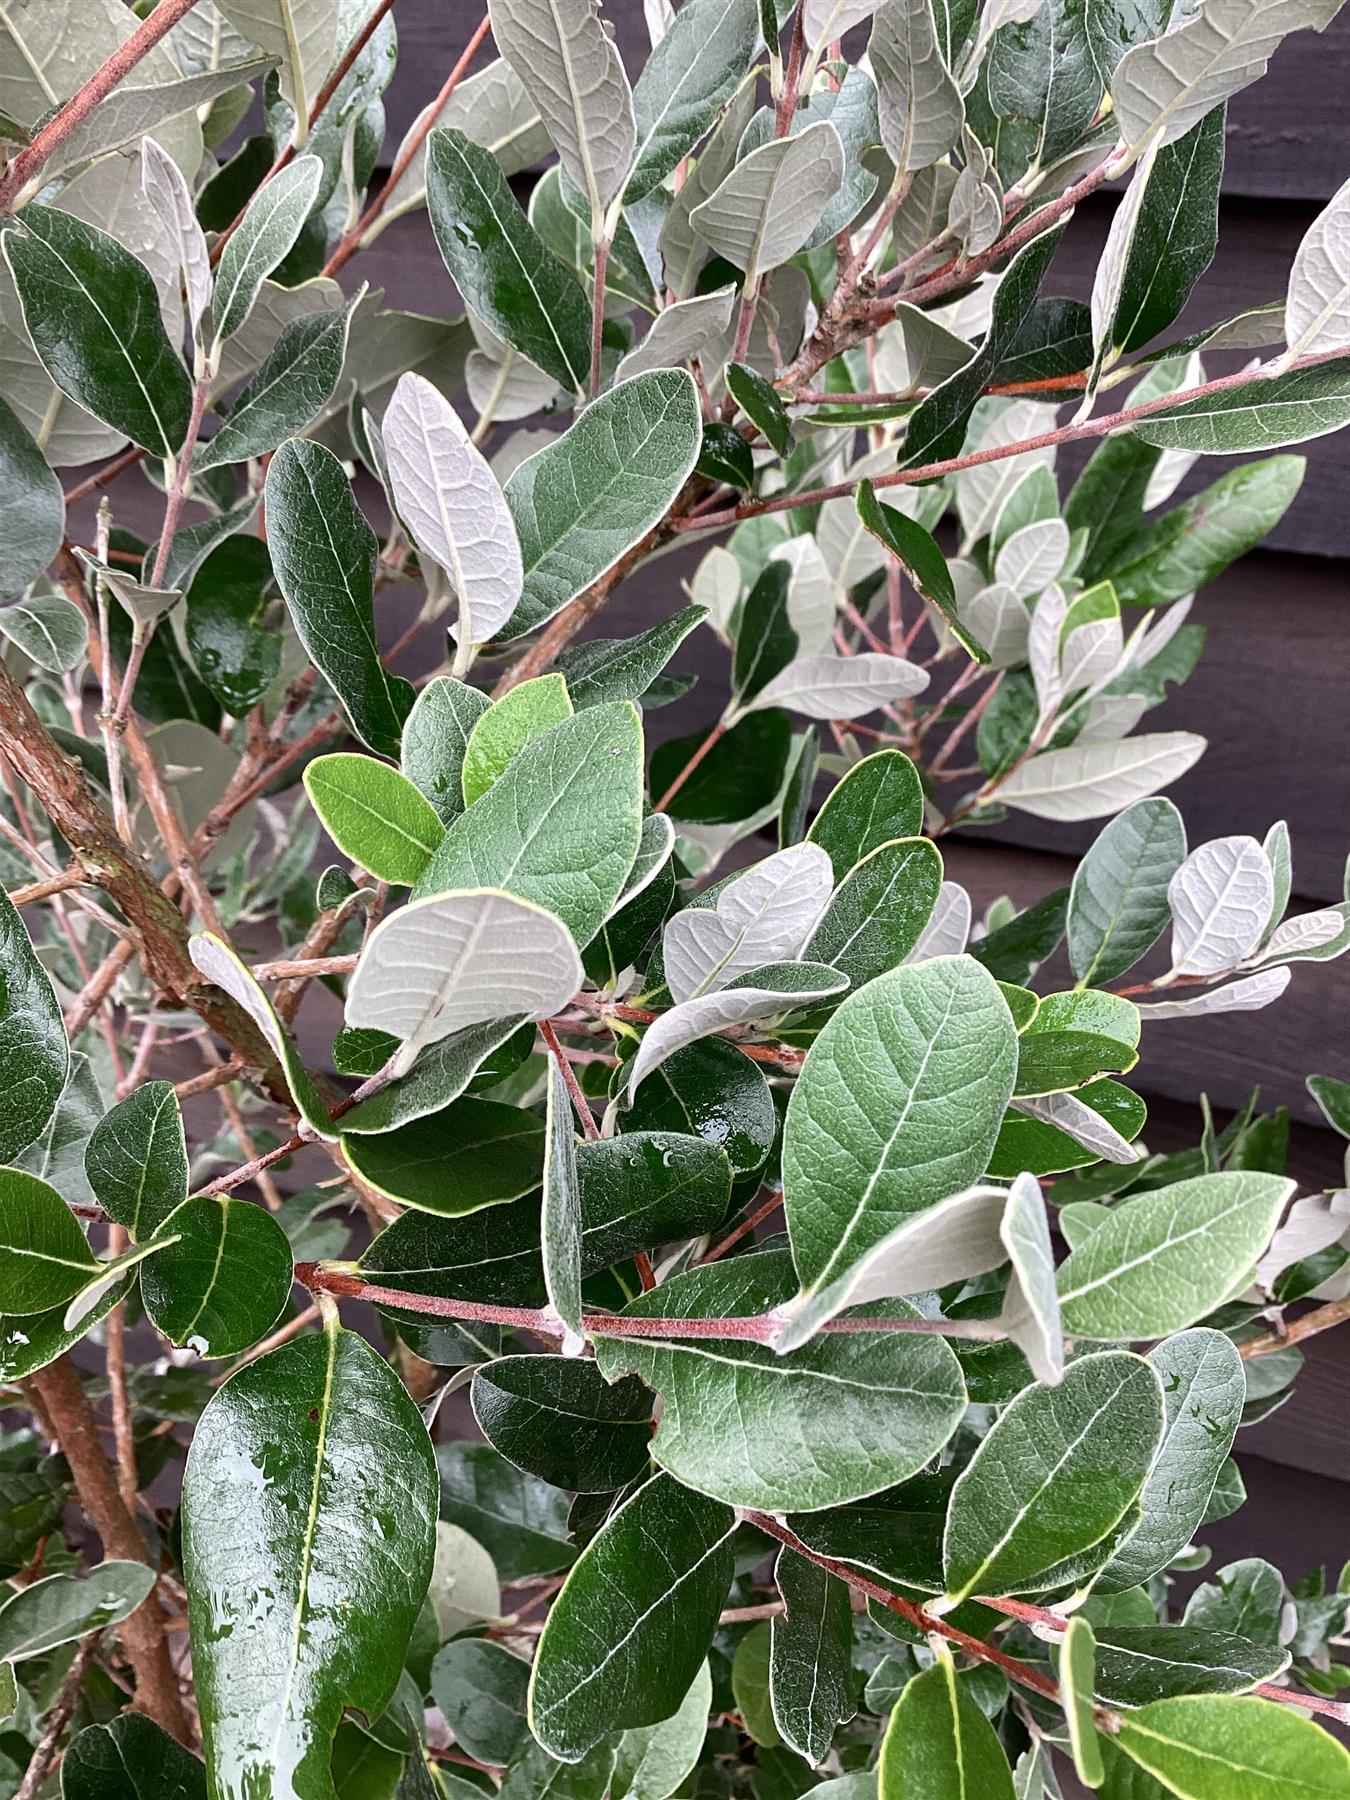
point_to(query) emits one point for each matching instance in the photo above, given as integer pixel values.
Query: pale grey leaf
(124, 116)
(920, 104)
(1092, 780)
(1312, 1224)
(1220, 898)
(1308, 937)
(449, 499)
(997, 618)
(1317, 311)
(1067, 1113)
(456, 958)
(166, 190)
(841, 687)
(570, 67)
(1033, 557)
(771, 202)
(1165, 86)
(917, 351)
(683, 248)
(560, 1215)
(811, 593)
(144, 604)
(1248, 995)
(1030, 1313)
(302, 35)
(764, 916)
(218, 962)
(680, 333)
(948, 929)
(826, 20)
(49, 629)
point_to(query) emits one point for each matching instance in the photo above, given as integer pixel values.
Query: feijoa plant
(689, 1390)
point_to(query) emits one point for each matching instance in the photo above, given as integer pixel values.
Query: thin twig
(580, 1105)
(57, 1720)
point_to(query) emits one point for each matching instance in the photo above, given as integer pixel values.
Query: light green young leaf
(1141, 1274)
(523, 713)
(92, 311)
(874, 1407)
(449, 499)
(1054, 1477)
(653, 1760)
(772, 201)
(764, 915)
(939, 1745)
(1087, 781)
(374, 815)
(627, 1635)
(1202, 1748)
(61, 1609)
(306, 1604)
(302, 34)
(1317, 310)
(265, 236)
(1165, 86)
(136, 1159)
(873, 1135)
(920, 104)
(573, 72)
(218, 962)
(560, 1220)
(1077, 1667)
(457, 959)
(1118, 906)
(1203, 1395)
(324, 553)
(583, 500)
(811, 1685)
(561, 826)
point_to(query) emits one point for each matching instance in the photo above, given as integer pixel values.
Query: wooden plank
(1288, 136)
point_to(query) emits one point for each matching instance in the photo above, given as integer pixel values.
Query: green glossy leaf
(1054, 1477)
(61, 1609)
(1176, 233)
(917, 552)
(309, 1508)
(645, 1189)
(505, 272)
(32, 1039)
(591, 494)
(1118, 905)
(33, 1340)
(523, 714)
(324, 553)
(292, 388)
(1189, 546)
(897, 1105)
(475, 1153)
(480, 1689)
(761, 403)
(607, 669)
(1141, 1275)
(625, 1637)
(237, 656)
(811, 1685)
(1142, 1663)
(741, 775)
(265, 237)
(879, 800)
(1077, 1668)
(32, 506)
(557, 1418)
(130, 1758)
(1058, 1132)
(560, 827)
(520, 1520)
(1234, 1749)
(877, 913)
(1283, 409)
(1204, 1392)
(653, 1760)
(374, 815)
(872, 1407)
(687, 79)
(46, 1258)
(715, 1092)
(224, 1284)
(435, 737)
(92, 312)
(939, 1745)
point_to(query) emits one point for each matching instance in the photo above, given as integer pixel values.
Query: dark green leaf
(92, 311)
(725, 456)
(736, 779)
(880, 799)
(624, 668)
(46, 1258)
(1156, 1662)
(811, 1684)
(293, 386)
(490, 1255)
(765, 642)
(917, 553)
(1114, 26)
(625, 1637)
(1118, 906)
(507, 275)
(1055, 340)
(759, 400)
(473, 1154)
(324, 553)
(130, 1758)
(480, 1689)
(309, 1512)
(224, 1284)
(648, 1188)
(687, 79)
(939, 1745)
(1176, 234)
(32, 507)
(878, 911)
(1260, 415)
(439, 1076)
(1039, 69)
(1188, 547)
(715, 1092)
(520, 1521)
(557, 1418)
(236, 655)
(1043, 1149)
(136, 1159)
(435, 737)
(1013, 952)
(1247, 1599)
(33, 1043)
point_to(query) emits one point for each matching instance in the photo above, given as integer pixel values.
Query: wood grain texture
(1288, 137)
